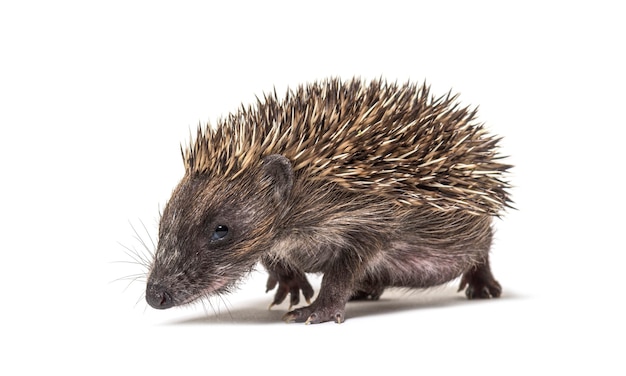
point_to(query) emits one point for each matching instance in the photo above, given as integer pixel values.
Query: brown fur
(374, 185)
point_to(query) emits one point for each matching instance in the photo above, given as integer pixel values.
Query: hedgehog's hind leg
(368, 289)
(479, 282)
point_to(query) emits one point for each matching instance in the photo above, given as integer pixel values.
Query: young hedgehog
(374, 185)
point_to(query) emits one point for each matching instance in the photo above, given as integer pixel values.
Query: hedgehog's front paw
(289, 283)
(315, 314)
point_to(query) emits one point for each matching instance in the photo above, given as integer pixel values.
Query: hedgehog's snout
(158, 297)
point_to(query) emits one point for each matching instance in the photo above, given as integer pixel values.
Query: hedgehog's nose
(158, 297)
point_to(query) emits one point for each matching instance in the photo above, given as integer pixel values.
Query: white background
(96, 98)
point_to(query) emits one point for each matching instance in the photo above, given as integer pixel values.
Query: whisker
(132, 277)
(136, 255)
(140, 239)
(204, 307)
(149, 237)
(141, 256)
(142, 297)
(134, 261)
(225, 301)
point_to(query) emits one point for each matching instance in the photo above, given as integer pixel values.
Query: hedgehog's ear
(278, 170)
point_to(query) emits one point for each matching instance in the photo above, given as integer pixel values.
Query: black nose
(158, 297)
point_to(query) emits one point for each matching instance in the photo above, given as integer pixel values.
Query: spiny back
(397, 141)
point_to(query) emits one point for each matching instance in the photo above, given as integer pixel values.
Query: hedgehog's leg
(479, 283)
(368, 289)
(289, 280)
(337, 287)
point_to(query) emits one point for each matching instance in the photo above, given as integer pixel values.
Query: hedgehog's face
(212, 232)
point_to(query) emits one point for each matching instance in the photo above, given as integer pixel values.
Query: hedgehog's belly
(409, 265)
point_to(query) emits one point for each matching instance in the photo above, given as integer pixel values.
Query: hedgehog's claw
(315, 315)
(479, 283)
(290, 283)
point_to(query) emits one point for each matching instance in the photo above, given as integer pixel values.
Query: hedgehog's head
(215, 229)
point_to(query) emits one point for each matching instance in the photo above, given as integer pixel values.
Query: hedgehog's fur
(374, 185)
(398, 141)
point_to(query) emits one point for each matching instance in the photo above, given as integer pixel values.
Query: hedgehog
(370, 184)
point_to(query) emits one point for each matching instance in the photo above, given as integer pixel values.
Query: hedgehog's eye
(220, 232)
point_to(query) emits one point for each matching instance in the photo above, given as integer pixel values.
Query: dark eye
(220, 232)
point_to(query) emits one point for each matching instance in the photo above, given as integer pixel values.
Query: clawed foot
(480, 284)
(314, 314)
(289, 282)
